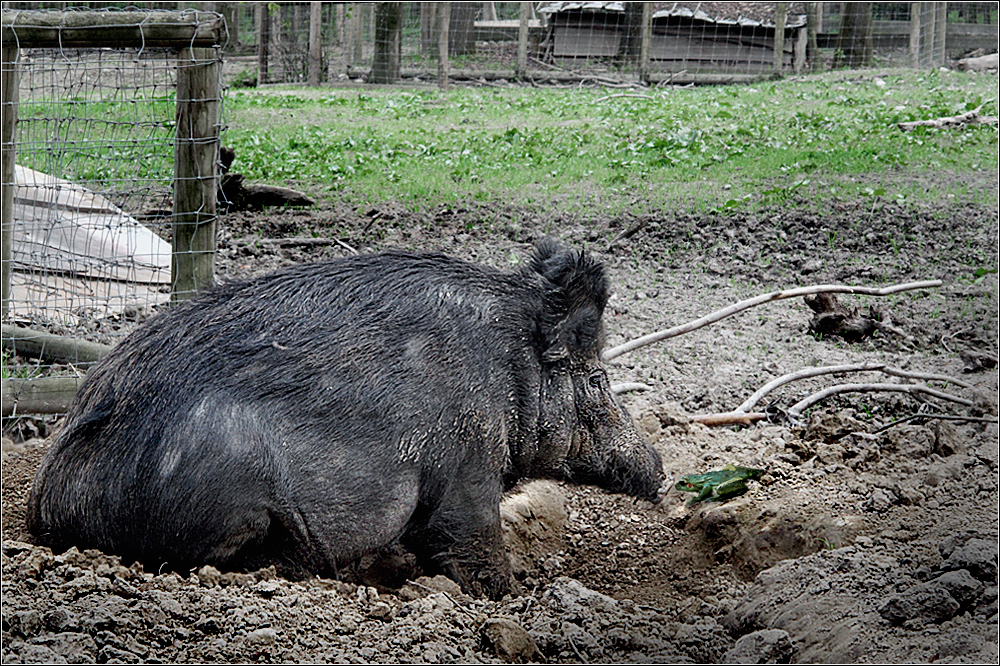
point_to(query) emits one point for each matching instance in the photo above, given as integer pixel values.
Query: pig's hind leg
(462, 537)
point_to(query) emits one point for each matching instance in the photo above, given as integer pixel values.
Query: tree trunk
(854, 42)
(428, 32)
(631, 45)
(814, 12)
(315, 42)
(388, 42)
(231, 12)
(462, 31)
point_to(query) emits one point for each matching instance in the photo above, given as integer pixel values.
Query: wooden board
(63, 227)
(76, 255)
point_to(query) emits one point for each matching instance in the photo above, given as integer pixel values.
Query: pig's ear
(576, 291)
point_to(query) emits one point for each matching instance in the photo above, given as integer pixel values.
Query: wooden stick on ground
(967, 118)
(796, 410)
(735, 308)
(752, 401)
(626, 387)
(728, 418)
(802, 374)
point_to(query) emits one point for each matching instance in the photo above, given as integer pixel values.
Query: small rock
(880, 500)
(509, 641)
(25, 623)
(570, 595)
(922, 604)
(811, 266)
(979, 556)
(59, 620)
(767, 646)
(960, 584)
(671, 414)
(73, 647)
(208, 625)
(380, 610)
(209, 576)
(263, 636)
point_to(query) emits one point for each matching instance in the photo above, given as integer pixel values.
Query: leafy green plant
(768, 143)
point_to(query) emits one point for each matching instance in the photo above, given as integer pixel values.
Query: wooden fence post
(780, 15)
(524, 16)
(646, 41)
(915, 34)
(444, 25)
(196, 156)
(927, 31)
(10, 98)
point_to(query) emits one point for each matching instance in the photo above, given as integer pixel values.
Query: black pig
(313, 415)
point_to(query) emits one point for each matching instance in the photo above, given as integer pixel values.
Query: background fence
(110, 208)
(606, 42)
(109, 179)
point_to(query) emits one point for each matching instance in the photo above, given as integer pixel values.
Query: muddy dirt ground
(868, 539)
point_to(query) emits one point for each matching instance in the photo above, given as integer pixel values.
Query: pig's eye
(596, 379)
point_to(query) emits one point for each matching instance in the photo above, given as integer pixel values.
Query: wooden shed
(685, 39)
(682, 38)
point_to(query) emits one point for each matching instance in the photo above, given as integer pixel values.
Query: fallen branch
(632, 345)
(796, 410)
(967, 118)
(801, 374)
(835, 369)
(626, 387)
(295, 241)
(607, 97)
(37, 344)
(896, 372)
(728, 418)
(40, 395)
(979, 64)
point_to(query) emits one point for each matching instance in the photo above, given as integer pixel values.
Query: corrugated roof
(555, 7)
(678, 10)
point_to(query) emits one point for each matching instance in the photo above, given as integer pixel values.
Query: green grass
(829, 136)
(98, 140)
(702, 148)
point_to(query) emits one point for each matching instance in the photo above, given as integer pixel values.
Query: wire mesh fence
(110, 208)
(93, 183)
(102, 177)
(606, 42)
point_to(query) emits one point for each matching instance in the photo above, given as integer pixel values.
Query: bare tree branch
(796, 410)
(803, 374)
(632, 345)
(834, 369)
(728, 418)
(896, 372)
(625, 387)
(969, 117)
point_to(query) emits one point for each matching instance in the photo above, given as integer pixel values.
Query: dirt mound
(867, 539)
